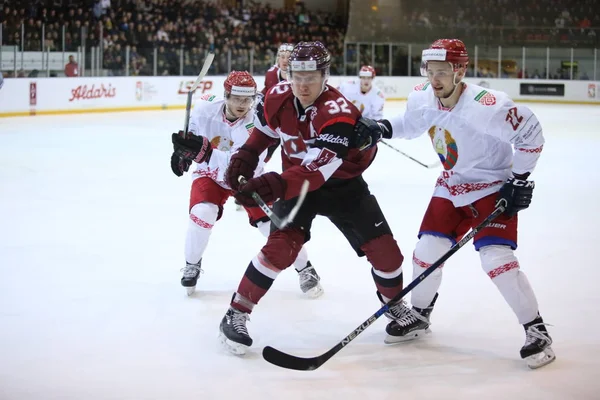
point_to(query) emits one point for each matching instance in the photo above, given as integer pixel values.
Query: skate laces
(191, 270)
(410, 317)
(397, 311)
(308, 275)
(238, 320)
(533, 333)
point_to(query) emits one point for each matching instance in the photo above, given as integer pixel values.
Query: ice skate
(191, 272)
(396, 310)
(310, 282)
(412, 325)
(233, 332)
(537, 351)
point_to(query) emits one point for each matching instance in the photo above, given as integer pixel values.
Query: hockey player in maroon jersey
(277, 73)
(315, 125)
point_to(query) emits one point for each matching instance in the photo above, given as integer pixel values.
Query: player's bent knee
(204, 215)
(498, 260)
(383, 253)
(430, 248)
(283, 247)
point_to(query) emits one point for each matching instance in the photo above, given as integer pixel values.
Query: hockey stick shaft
(188, 105)
(285, 360)
(407, 155)
(277, 220)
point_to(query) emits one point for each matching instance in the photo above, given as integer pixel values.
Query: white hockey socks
(302, 259)
(202, 219)
(501, 265)
(427, 251)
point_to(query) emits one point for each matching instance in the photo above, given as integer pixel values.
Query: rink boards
(24, 96)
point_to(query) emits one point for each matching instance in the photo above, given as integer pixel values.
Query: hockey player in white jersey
(473, 130)
(217, 129)
(368, 99)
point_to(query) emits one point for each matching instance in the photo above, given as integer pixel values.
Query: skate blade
(315, 292)
(190, 290)
(540, 359)
(233, 347)
(389, 339)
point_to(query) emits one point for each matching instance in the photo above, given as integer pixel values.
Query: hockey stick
(280, 222)
(407, 156)
(188, 105)
(289, 361)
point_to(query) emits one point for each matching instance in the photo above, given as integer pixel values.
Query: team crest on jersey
(486, 98)
(208, 97)
(444, 145)
(421, 86)
(361, 108)
(249, 127)
(221, 143)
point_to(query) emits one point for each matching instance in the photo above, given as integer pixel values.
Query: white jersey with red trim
(369, 104)
(208, 120)
(474, 140)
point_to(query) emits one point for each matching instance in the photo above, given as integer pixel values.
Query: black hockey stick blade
(284, 360)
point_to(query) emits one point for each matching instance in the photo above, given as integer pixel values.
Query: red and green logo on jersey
(208, 97)
(486, 98)
(421, 87)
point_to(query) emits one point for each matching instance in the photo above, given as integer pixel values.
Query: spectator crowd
(174, 36)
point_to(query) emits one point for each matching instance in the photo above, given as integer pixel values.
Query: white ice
(92, 225)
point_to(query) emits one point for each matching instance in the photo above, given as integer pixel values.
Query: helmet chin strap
(229, 115)
(455, 86)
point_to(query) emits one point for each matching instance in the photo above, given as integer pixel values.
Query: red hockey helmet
(310, 56)
(367, 71)
(449, 50)
(240, 83)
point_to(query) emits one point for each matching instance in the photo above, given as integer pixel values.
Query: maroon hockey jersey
(317, 141)
(272, 78)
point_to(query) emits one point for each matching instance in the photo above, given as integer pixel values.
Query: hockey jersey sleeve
(271, 78)
(410, 124)
(262, 136)
(518, 125)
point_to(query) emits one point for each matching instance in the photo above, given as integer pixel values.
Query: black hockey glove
(515, 195)
(179, 165)
(191, 147)
(369, 132)
(242, 163)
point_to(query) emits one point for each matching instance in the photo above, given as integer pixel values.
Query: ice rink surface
(92, 227)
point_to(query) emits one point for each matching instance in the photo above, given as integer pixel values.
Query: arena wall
(24, 96)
